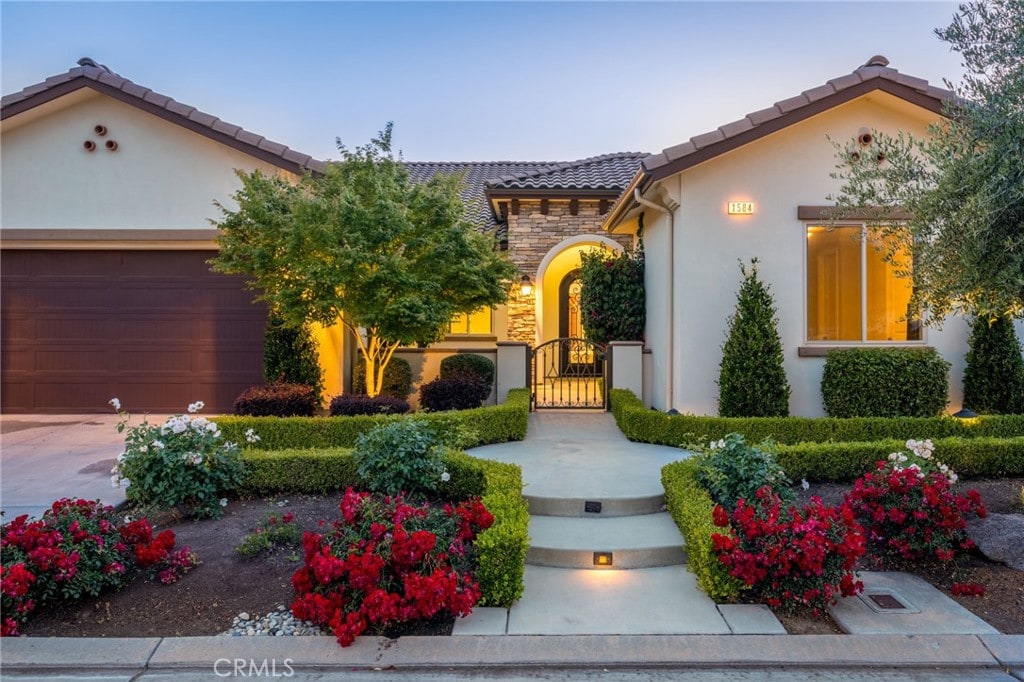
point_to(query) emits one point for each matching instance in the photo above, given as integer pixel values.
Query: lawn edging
(493, 424)
(831, 449)
(501, 548)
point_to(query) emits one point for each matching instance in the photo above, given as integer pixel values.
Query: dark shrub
(469, 364)
(884, 382)
(752, 381)
(290, 356)
(459, 392)
(397, 378)
(352, 404)
(278, 400)
(994, 375)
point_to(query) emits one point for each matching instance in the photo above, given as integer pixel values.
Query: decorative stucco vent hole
(887, 601)
(591, 507)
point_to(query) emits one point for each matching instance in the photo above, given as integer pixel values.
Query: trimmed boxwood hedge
(884, 382)
(690, 506)
(501, 548)
(650, 426)
(494, 424)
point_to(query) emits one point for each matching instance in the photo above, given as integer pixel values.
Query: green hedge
(884, 382)
(501, 548)
(650, 426)
(495, 424)
(968, 457)
(690, 506)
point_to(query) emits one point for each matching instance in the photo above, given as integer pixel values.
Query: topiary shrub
(278, 400)
(994, 375)
(612, 297)
(458, 392)
(752, 381)
(290, 356)
(469, 364)
(397, 378)
(884, 382)
(353, 404)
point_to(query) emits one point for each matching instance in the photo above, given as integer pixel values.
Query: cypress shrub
(994, 375)
(884, 382)
(290, 356)
(397, 378)
(752, 381)
(613, 299)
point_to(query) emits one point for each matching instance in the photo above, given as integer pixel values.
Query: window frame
(863, 342)
(468, 334)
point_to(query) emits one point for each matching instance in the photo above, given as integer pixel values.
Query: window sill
(820, 351)
(471, 337)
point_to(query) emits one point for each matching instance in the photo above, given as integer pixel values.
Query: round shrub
(401, 456)
(353, 404)
(278, 400)
(733, 471)
(397, 378)
(468, 364)
(994, 375)
(884, 382)
(458, 392)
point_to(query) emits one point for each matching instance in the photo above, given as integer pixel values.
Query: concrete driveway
(46, 457)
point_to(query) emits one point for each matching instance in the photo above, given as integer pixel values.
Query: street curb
(32, 654)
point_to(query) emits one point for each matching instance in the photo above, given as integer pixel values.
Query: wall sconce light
(602, 558)
(526, 286)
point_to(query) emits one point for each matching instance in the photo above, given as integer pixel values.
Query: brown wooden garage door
(157, 329)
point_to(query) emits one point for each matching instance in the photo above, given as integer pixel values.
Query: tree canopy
(393, 260)
(963, 184)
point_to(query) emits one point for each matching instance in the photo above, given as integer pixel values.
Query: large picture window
(853, 292)
(477, 322)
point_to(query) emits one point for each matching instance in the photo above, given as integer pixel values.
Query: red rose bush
(79, 548)
(790, 557)
(387, 562)
(910, 509)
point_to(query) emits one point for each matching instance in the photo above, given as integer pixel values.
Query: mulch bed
(205, 600)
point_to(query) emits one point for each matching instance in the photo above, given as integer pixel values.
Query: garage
(157, 329)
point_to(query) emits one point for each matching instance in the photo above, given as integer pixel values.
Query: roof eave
(77, 83)
(710, 151)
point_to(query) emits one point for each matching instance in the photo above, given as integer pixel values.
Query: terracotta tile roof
(89, 74)
(874, 75)
(476, 175)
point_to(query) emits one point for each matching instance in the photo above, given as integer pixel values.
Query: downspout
(671, 289)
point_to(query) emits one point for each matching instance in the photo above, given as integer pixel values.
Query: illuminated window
(477, 322)
(853, 293)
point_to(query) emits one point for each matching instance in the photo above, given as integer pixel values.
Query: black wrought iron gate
(569, 373)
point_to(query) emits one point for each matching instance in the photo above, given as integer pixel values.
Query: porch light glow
(741, 208)
(526, 286)
(602, 558)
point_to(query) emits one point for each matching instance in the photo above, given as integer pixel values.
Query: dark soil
(205, 600)
(1002, 605)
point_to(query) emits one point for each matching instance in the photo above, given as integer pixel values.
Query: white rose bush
(182, 464)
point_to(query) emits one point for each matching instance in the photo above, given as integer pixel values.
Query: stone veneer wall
(531, 235)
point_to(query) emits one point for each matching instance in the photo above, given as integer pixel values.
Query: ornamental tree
(393, 260)
(752, 381)
(994, 375)
(963, 184)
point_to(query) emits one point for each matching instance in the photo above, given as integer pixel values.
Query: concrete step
(633, 542)
(584, 507)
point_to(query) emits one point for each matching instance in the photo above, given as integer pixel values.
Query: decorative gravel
(278, 623)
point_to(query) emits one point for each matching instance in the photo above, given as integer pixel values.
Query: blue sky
(474, 80)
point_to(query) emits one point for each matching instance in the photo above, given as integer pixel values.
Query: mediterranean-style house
(108, 190)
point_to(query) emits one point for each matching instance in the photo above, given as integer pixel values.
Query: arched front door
(578, 357)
